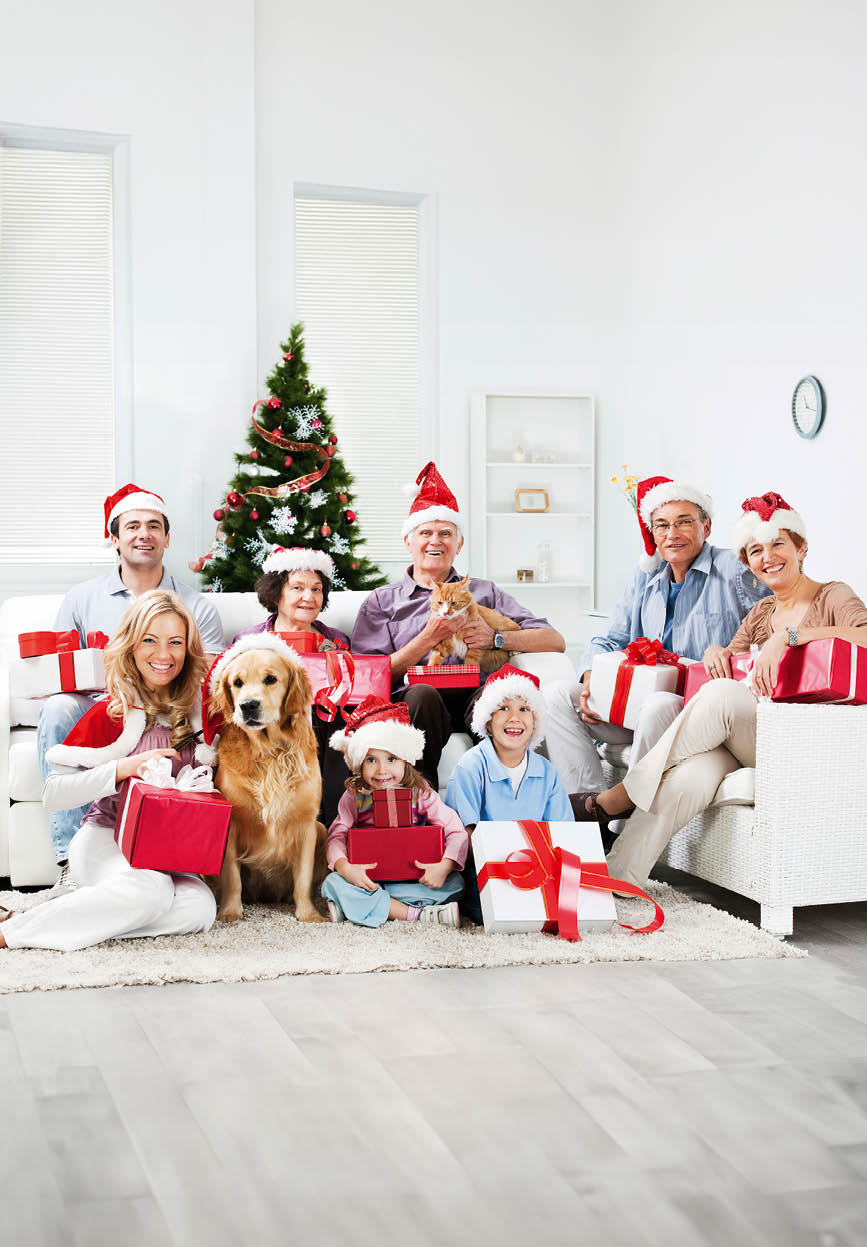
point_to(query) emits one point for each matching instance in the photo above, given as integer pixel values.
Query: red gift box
(395, 849)
(446, 675)
(169, 829)
(697, 677)
(341, 679)
(303, 642)
(392, 807)
(829, 670)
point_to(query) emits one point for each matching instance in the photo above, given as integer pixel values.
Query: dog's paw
(310, 915)
(230, 915)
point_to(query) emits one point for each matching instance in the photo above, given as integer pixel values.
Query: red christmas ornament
(350, 515)
(287, 462)
(287, 355)
(254, 515)
(254, 454)
(233, 499)
(219, 513)
(325, 530)
(316, 424)
(332, 450)
(342, 498)
(333, 439)
(274, 403)
(354, 566)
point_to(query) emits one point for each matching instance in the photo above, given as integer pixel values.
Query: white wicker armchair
(804, 841)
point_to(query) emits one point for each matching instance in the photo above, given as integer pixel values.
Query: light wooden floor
(713, 1103)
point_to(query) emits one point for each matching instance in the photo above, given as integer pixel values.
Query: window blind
(57, 393)
(357, 291)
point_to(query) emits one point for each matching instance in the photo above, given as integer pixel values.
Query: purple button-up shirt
(393, 616)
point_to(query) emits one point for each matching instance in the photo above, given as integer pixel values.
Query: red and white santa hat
(299, 559)
(131, 498)
(433, 501)
(510, 681)
(656, 491)
(762, 519)
(212, 723)
(98, 738)
(378, 724)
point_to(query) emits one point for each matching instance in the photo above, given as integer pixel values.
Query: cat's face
(450, 599)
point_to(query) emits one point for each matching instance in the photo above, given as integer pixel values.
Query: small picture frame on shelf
(532, 500)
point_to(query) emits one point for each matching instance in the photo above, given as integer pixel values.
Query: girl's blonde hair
(411, 779)
(123, 680)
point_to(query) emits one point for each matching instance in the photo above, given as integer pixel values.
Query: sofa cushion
(25, 778)
(737, 788)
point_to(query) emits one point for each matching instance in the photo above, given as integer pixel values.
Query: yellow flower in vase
(628, 485)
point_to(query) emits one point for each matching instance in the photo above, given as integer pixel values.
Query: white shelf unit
(503, 539)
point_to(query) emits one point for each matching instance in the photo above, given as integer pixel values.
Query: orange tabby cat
(455, 599)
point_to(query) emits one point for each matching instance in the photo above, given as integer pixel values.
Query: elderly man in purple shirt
(396, 620)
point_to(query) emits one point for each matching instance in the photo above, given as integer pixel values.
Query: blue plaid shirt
(717, 593)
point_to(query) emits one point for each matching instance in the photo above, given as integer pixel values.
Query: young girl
(503, 778)
(154, 668)
(381, 748)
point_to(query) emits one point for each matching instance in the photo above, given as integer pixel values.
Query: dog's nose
(250, 709)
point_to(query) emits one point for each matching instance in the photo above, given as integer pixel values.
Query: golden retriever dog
(267, 767)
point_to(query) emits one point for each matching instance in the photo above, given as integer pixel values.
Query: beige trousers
(714, 734)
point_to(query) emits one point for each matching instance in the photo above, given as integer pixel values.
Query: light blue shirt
(98, 605)
(717, 592)
(480, 789)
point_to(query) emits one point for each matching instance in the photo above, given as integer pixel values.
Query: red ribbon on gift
(96, 640)
(65, 645)
(341, 668)
(560, 875)
(642, 652)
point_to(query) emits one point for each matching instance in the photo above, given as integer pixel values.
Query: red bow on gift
(643, 652)
(560, 875)
(341, 668)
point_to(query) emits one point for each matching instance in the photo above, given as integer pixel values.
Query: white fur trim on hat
(751, 527)
(299, 559)
(650, 562)
(253, 640)
(401, 739)
(137, 502)
(493, 695)
(415, 518)
(86, 756)
(673, 491)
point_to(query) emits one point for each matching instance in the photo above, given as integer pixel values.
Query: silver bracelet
(792, 634)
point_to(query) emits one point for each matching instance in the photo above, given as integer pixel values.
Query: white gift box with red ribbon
(622, 680)
(53, 662)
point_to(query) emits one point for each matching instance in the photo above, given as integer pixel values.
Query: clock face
(808, 406)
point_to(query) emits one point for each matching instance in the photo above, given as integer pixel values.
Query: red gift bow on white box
(65, 645)
(642, 652)
(560, 875)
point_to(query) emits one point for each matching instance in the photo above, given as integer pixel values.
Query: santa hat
(131, 498)
(509, 681)
(656, 491)
(299, 559)
(433, 501)
(212, 723)
(97, 737)
(762, 520)
(378, 724)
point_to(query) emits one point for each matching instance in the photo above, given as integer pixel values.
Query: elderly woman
(294, 588)
(715, 733)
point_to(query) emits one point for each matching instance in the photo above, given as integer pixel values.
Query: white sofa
(794, 832)
(26, 855)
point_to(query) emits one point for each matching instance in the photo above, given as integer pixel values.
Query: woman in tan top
(715, 733)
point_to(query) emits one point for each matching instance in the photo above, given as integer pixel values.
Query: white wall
(177, 77)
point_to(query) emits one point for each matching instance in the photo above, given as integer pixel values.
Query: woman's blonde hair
(123, 680)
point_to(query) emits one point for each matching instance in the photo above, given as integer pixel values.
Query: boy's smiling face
(511, 726)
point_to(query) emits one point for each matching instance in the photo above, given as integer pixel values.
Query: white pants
(571, 743)
(714, 734)
(113, 901)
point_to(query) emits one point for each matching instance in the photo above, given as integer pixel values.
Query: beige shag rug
(270, 943)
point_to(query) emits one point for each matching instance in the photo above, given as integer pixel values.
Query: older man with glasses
(686, 593)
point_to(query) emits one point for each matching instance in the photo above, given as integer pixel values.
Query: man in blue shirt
(686, 593)
(137, 525)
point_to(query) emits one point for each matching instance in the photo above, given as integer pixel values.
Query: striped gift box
(449, 675)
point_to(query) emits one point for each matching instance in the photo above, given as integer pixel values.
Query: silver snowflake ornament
(282, 520)
(339, 544)
(318, 498)
(258, 548)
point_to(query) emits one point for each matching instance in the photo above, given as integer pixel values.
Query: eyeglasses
(661, 528)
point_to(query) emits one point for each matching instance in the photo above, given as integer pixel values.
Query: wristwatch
(792, 634)
(499, 642)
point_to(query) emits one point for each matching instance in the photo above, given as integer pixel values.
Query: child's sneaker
(446, 915)
(335, 913)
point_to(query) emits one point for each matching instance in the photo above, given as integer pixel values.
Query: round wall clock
(808, 406)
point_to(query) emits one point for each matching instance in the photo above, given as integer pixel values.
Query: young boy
(503, 778)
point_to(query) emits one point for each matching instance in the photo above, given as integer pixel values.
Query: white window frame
(426, 202)
(23, 572)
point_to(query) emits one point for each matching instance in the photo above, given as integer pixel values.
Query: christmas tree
(290, 488)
